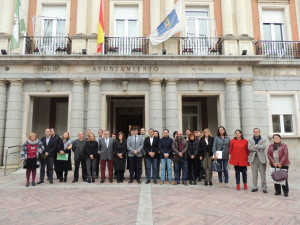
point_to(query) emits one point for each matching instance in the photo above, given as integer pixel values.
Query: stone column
(155, 20)
(2, 113)
(155, 104)
(226, 8)
(7, 16)
(14, 118)
(171, 105)
(247, 107)
(169, 4)
(241, 17)
(95, 16)
(77, 107)
(82, 11)
(94, 106)
(232, 108)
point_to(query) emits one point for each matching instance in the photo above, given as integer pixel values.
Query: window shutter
(282, 104)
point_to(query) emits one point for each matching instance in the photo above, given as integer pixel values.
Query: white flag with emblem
(171, 25)
(18, 26)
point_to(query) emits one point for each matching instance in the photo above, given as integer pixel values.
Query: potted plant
(187, 51)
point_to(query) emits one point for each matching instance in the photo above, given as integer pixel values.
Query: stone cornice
(128, 60)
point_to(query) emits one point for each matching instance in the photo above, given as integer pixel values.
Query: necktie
(134, 139)
(106, 142)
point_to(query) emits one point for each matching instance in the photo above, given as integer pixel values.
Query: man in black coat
(151, 144)
(51, 149)
(57, 140)
(78, 147)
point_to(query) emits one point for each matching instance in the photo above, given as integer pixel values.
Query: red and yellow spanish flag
(100, 38)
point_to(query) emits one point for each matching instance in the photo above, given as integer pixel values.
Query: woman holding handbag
(278, 155)
(91, 152)
(239, 157)
(221, 143)
(30, 156)
(63, 166)
(120, 150)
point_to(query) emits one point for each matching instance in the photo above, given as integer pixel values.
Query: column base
(79, 42)
(230, 45)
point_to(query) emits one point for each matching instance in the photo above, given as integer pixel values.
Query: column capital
(16, 82)
(155, 80)
(77, 80)
(246, 81)
(171, 81)
(3, 82)
(231, 81)
(94, 81)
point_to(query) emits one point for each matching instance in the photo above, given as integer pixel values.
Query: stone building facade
(236, 64)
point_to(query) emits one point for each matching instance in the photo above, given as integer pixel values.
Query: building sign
(125, 69)
(48, 69)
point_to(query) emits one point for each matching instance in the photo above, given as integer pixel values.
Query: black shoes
(40, 182)
(51, 182)
(101, 181)
(33, 184)
(60, 180)
(277, 193)
(210, 183)
(195, 182)
(27, 184)
(190, 182)
(74, 181)
(286, 194)
(206, 183)
(148, 182)
(118, 181)
(139, 182)
(265, 191)
(254, 190)
(110, 181)
(89, 180)
(130, 182)
(93, 180)
(155, 181)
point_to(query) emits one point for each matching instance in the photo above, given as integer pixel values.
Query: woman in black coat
(120, 150)
(192, 157)
(91, 152)
(206, 154)
(63, 166)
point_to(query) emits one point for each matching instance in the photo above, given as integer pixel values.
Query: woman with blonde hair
(206, 154)
(63, 166)
(30, 156)
(91, 152)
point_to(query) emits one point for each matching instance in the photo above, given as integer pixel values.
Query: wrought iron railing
(126, 46)
(278, 49)
(43, 45)
(200, 46)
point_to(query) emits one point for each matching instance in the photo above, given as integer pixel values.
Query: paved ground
(83, 203)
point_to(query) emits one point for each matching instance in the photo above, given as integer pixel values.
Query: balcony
(278, 49)
(200, 46)
(48, 45)
(126, 46)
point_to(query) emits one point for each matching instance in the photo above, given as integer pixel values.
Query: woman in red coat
(239, 157)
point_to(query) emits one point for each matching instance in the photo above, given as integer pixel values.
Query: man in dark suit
(51, 149)
(57, 140)
(151, 144)
(106, 147)
(78, 147)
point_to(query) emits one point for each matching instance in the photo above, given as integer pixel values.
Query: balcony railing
(126, 46)
(200, 46)
(43, 45)
(278, 49)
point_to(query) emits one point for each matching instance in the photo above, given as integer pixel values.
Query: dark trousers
(135, 164)
(49, 162)
(81, 161)
(178, 166)
(62, 174)
(97, 166)
(192, 166)
(120, 175)
(238, 170)
(91, 168)
(285, 188)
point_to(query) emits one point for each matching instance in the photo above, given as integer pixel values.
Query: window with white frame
(126, 21)
(273, 25)
(282, 108)
(54, 20)
(197, 22)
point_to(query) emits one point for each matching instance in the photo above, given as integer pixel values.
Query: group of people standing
(191, 154)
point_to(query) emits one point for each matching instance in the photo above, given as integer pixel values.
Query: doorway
(125, 113)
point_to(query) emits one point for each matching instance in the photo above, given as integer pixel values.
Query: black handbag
(280, 175)
(25, 164)
(42, 157)
(217, 167)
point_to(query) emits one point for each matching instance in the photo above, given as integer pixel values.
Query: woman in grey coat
(222, 143)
